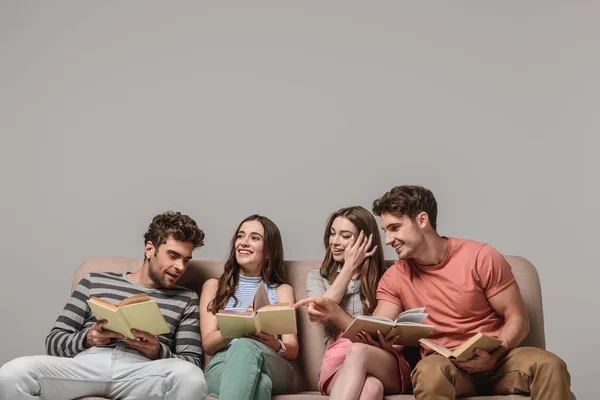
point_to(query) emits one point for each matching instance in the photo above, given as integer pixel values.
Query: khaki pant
(522, 370)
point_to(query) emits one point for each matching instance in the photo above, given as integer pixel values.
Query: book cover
(136, 312)
(273, 319)
(466, 350)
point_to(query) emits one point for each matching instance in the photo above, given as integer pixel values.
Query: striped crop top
(245, 291)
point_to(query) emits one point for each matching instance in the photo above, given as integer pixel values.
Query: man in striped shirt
(85, 360)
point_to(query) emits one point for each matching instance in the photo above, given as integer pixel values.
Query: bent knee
(357, 352)
(195, 383)
(187, 375)
(244, 343)
(181, 368)
(373, 388)
(544, 359)
(15, 369)
(553, 363)
(433, 366)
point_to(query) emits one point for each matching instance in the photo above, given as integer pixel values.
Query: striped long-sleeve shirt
(178, 305)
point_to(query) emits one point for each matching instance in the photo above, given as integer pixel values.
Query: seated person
(254, 367)
(86, 360)
(467, 287)
(349, 274)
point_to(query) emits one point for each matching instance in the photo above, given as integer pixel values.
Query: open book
(136, 312)
(466, 350)
(273, 319)
(408, 325)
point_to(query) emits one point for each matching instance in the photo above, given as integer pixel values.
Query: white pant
(115, 373)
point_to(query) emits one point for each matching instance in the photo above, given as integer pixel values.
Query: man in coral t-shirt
(467, 287)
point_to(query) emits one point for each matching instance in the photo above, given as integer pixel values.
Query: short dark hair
(174, 225)
(408, 200)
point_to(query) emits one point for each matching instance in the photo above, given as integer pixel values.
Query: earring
(267, 266)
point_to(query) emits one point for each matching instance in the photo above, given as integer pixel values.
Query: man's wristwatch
(282, 349)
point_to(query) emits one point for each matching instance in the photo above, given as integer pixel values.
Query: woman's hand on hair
(358, 251)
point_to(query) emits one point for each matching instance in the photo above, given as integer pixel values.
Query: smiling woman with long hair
(351, 269)
(254, 367)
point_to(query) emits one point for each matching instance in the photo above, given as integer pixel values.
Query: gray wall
(111, 112)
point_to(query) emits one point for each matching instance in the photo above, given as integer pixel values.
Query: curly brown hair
(272, 272)
(176, 225)
(372, 267)
(408, 200)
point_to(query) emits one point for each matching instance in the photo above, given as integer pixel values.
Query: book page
(369, 325)
(276, 306)
(115, 321)
(103, 303)
(413, 310)
(481, 341)
(138, 298)
(276, 320)
(438, 348)
(415, 315)
(145, 317)
(373, 318)
(261, 298)
(410, 333)
(238, 313)
(235, 326)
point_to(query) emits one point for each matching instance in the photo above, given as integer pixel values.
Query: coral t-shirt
(455, 293)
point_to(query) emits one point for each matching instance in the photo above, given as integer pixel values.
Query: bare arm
(338, 287)
(316, 286)
(387, 309)
(323, 309)
(212, 340)
(509, 304)
(285, 294)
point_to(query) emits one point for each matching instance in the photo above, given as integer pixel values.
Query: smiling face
(403, 234)
(249, 247)
(341, 235)
(168, 262)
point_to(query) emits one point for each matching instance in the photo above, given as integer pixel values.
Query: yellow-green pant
(248, 370)
(522, 370)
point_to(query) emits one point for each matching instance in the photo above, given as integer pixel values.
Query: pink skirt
(335, 354)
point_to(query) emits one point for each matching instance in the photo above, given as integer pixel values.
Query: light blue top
(246, 290)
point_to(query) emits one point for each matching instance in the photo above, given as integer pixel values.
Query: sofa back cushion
(312, 347)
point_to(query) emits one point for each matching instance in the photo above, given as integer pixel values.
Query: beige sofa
(310, 334)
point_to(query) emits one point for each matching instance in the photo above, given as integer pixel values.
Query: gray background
(111, 112)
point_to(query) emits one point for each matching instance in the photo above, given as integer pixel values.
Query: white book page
(412, 316)
(370, 317)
